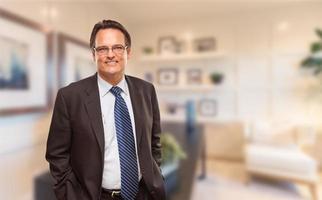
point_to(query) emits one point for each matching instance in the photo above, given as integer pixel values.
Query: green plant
(314, 60)
(171, 150)
(216, 77)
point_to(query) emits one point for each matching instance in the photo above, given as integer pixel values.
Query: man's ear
(129, 53)
(93, 55)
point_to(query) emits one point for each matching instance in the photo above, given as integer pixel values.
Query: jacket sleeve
(58, 146)
(156, 129)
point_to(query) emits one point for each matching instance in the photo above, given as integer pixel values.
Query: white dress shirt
(112, 170)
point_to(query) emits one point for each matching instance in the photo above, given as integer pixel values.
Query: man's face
(109, 63)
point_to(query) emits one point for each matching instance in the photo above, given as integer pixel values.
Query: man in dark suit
(104, 138)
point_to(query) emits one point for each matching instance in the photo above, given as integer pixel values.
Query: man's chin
(111, 72)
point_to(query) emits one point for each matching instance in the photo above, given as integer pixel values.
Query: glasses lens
(119, 49)
(101, 50)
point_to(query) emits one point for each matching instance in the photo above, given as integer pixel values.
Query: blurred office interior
(239, 86)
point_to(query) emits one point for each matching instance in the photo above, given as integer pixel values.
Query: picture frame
(25, 65)
(75, 60)
(167, 76)
(167, 45)
(194, 76)
(205, 44)
(207, 107)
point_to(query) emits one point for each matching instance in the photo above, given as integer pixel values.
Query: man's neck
(112, 79)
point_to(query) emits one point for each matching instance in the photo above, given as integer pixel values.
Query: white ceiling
(153, 11)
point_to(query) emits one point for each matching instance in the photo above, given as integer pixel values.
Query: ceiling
(151, 11)
(135, 12)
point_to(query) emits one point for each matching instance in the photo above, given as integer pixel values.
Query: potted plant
(172, 153)
(314, 60)
(216, 77)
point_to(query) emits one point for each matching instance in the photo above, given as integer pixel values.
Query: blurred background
(239, 86)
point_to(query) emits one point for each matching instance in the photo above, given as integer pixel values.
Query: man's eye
(101, 49)
(118, 48)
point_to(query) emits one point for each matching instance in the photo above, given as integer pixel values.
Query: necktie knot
(116, 91)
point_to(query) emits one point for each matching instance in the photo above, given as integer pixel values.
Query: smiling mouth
(111, 62)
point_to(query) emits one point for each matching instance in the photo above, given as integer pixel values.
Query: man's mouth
(111, 62)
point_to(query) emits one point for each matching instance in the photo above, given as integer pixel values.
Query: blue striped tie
(126, 146)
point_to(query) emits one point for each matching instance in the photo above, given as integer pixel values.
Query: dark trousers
(143, 194)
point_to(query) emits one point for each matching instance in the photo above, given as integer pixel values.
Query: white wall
(263, 48)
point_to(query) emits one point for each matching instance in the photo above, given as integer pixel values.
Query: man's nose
(110, 53)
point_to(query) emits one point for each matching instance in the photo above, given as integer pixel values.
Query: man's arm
(156, 129)
(58, 146)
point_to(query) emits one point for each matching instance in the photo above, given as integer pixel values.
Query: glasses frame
(110, 48)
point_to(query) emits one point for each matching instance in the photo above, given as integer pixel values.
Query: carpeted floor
(225, 182)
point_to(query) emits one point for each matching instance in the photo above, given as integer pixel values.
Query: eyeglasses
(117, 49)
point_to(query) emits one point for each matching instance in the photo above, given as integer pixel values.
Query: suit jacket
(75, 145)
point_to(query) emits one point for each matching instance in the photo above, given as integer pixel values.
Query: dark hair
(105, 24)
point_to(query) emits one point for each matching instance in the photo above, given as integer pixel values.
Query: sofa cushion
(280, 161)
(273, 134)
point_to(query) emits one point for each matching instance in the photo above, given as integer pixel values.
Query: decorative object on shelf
(181, 46)
(148, 76)
(172, 108)
(194, 76)
(168, 76)
(208, 107)
(314, 61)
(216, 77)
(147, 50)
(25, 56)
(205, 44)
(171, 150)
(190, 117)
(168, 45)
(74, 60)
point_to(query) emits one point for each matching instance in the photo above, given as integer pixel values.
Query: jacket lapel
(93, 107)
(136, 95)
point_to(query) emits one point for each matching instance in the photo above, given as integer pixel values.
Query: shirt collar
(104, 87)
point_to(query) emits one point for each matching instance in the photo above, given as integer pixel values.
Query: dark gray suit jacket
(75, 146)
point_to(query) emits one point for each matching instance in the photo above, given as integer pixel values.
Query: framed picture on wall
(168, 76)
(25, 55)
(75, 60)
(167, 45)
(208, 107)
(194, 76)
(205, 44)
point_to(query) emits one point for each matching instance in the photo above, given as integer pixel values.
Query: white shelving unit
(194, 88)
(181, 62)
(183, 57)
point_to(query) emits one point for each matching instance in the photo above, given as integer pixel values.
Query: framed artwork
(205, 44)
(167, 45)
(208, 107)
(75, 60)
(168, 76)
(194, 76)
(25, 60)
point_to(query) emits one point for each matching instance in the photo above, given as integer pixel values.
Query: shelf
(195, 88)
(199, 119)
(182, 57)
